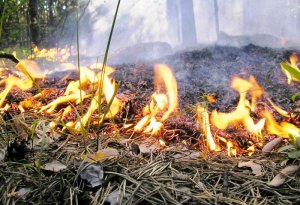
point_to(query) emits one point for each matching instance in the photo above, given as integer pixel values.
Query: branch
(9, 56)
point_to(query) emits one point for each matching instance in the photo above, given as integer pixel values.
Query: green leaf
(295, 96)
(294, 154)
(286, 147)
(293, 71)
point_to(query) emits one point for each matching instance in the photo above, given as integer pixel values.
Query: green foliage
(295, 154)
(295, 73)
(295, 96)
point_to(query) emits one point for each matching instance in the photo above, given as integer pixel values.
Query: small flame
(231, 150)
(251, 150)
(161, 103)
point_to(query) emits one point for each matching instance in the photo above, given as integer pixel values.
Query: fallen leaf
(114, 198)
(149, 145)
(280, 178)
(92, 174)
(256, 168)
(271, 145)
(2, 154)
(54, 166)
(101, 155)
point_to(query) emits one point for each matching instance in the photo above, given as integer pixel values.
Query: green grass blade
(293, 71)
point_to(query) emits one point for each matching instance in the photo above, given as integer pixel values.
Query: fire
(99, 88)
(294, 64)
(28, 72)
(203, 121)
(284, 129)
(52, 54)
(241, 115)
(163, 101)
(77, 91)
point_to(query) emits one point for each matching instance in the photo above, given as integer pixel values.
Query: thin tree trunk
(216, 10)
(34, 26)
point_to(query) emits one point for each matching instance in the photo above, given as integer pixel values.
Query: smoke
(148, 29)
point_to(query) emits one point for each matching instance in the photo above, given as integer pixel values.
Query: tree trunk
(188, 27)
(216, 11)
(34, 26)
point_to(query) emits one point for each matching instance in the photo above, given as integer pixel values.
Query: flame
(77, 91)
(163, 101)
(279, 109)
(294, 64)
(28, 71)
(231, 148)
(52, 54)
(251, 150)
(203, 121)
(241, 115)
(11, 82)
(284, 129)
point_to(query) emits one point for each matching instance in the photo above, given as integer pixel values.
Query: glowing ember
(163, 102)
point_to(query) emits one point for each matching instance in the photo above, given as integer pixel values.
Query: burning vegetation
(93, 105)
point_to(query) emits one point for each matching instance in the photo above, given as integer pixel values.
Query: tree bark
(34, 26)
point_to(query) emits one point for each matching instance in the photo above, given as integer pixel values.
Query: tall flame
(203, 121)
(163, 101)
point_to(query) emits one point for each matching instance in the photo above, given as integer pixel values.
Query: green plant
(293, 149)
(295, 73)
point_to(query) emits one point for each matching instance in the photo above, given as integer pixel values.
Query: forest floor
(134, 168)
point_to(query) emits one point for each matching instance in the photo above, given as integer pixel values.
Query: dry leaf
(271, 145)
(280, 178)
(256, 168)
(101, 155)
(54, 166)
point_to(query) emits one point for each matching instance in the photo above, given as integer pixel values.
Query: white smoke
(169, 24)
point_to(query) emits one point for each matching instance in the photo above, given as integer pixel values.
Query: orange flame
(284, 129)
(241, 115)
(161, 103)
